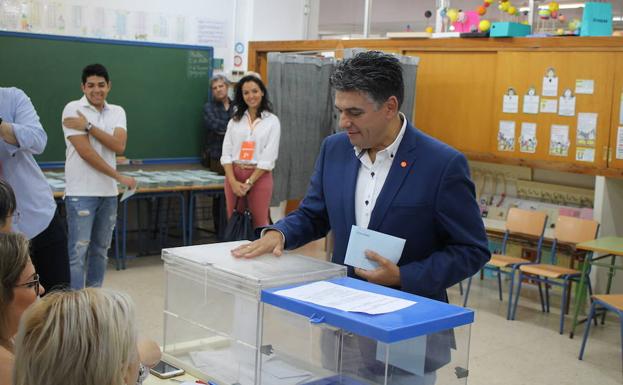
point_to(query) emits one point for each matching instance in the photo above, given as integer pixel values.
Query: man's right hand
(271, 242)
(128, 181)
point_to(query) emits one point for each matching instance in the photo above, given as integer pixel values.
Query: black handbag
(240, 225)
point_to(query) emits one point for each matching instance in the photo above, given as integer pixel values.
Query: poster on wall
(566, 106)
(550, 83)
(527, 139)
(211, 32)
(506, 136)
(549, 106)
(559, 140)
(619, 147)
(510, 101)
(584, 86)
(531, 102)
(585, 154)
(587, 129)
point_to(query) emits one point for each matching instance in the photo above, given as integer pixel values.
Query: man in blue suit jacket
(383, 174)
(426, 196)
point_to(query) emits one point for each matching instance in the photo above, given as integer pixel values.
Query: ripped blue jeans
(90, 224)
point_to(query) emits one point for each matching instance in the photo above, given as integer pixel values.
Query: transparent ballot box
(306, 343)
(212, 312)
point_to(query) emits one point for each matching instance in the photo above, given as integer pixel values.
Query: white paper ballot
(345, 298)
(127, 194)
(362, 239)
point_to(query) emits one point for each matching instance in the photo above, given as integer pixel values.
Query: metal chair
(569, 231)
(525, 223)
(613, 302)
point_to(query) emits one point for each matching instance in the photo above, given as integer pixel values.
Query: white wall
(216, 23)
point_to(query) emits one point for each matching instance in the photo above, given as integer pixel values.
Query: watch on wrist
(249, 182)
(88, 127)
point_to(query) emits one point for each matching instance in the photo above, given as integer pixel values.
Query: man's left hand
(387, 274)
(76, 123)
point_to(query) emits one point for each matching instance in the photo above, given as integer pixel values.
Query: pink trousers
(258, 197)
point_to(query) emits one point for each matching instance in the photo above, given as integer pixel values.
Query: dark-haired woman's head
(250, 94)
(8, 206)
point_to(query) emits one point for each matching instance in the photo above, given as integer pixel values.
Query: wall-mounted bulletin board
(554, 106)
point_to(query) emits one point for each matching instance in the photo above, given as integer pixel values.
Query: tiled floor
(526, 351)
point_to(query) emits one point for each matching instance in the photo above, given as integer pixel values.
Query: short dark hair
(7, 201)
(373, 72)
(240, 106)
(94, 70)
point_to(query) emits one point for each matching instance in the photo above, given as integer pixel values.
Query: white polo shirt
(80, 178)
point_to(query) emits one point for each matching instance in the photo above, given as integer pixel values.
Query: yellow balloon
(452, 14)
(504, 6)
(484, 25)
(488, 1)
(429, 29)
(553, 6)
(511, 10)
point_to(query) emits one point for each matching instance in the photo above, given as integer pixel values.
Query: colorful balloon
(553, 6)
(511, 10)
(481, 10)
(452, 14)
(504, 6)
(428, 14)
(484, 25)
(429, 29)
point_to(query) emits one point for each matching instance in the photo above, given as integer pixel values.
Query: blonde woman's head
(78, 337)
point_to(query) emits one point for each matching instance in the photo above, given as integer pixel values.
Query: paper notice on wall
(531, 104)
(510, 102)
(566, 106)
(559, 140)
(527, 140)
(619, 149)
(585, 154)
(212, 32)
(550, 86)
(584, 86)
(506, 136)
(587, 129)
(621, 110)
(549, 106)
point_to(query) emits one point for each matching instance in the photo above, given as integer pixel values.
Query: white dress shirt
(265, 132)
(81, 179)
(372, 176)
(35, 202)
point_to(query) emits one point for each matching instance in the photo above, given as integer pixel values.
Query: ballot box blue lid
(427, 316)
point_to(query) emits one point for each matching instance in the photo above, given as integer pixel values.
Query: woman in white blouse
(250, 149)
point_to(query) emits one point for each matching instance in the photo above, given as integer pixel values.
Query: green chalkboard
(162, 88)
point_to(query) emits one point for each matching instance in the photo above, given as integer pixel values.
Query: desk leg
(183, 217)
(611, 272)
(191, 213)
(581, 290)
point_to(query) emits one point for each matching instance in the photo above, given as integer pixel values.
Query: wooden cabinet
(454, 97)
(461, 82)
(617, 114)
(524, 70)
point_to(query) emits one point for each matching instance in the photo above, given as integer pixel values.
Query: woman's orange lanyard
(247, 150)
